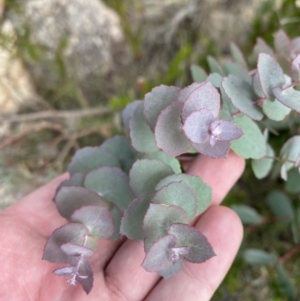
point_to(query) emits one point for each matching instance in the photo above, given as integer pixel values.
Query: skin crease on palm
(118, 275)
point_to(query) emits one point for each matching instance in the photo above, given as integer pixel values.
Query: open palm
(118, 275)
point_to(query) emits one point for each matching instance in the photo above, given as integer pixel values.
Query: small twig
(290, 253)
(57, 114)
(36, 127)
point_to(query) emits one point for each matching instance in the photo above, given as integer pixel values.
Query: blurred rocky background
(67, 68)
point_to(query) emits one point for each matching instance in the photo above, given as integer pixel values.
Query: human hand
(118, 275)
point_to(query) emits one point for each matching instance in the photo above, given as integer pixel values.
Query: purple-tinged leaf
(290, 151)
(76, 250)
(214, 65)
(157, 100)
(199, 248)
(215, 79)
(178, 194)
(158, 257)
(76, 180)
(169, 134)
(117, 216)
(132, 221)
(242, 96)
(282, 44)
(237, 55)
(295, 47)
(158, 220)
(202, 191)
(85, 276)
(275, 110)
(112, 184)
(252, 144)
(262, 47)
(198, 74)
(219, 150)
(237, 71)
(142, 138)
(89, 158)
(120, 146)
(171, 161)
(128, 112)
(270, 74)
(197, 125)
(97, 219)
(66, 271)
(172, 269)
(204, 97)
(295, 69)
(73, 233)
(288, 97)
(145, 174)
(225, 130)
(69, 199)
(185, 92)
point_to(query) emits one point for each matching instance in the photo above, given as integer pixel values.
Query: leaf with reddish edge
(171, 161)
(199, 248)
(69, 199)
(146, 173)
(97, 219)
(169, 134)
(295, 69)
(197, 125)
(128, 112)
(121, 147)
(282, 44)
(219, 150)
(142, 138)
(225, 130)
(185, 92)
(112, 184)
(69, 233)
(89, 158)
(158, 219)
(76, 250)
(242, 96)
(132, 221)
(270, 74)
(76, 180)
(85, 275)
(157, 100)
(178, 194)
(202, 191)
(204, 97)
(172, 269)
(288, 97)
(158, 257)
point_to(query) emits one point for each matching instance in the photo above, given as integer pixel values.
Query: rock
(76, 38)
(16, 87)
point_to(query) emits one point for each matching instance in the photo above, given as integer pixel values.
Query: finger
(219, 174)
(124, 274)
(38, 209)
(224, 231)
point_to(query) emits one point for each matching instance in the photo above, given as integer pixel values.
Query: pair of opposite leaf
(178, 120)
